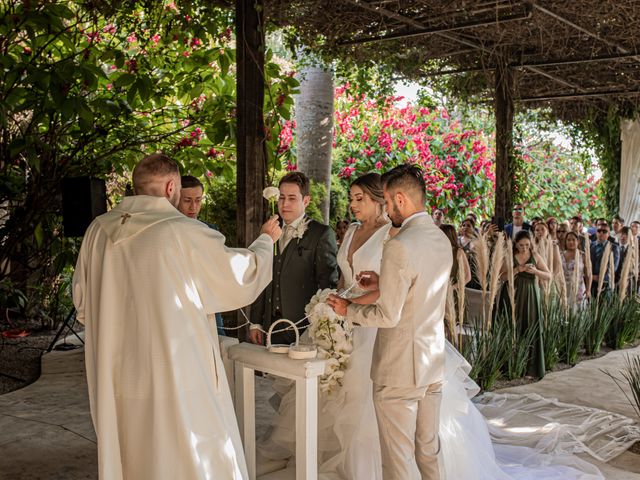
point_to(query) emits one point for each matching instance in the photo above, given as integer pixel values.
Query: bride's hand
(338, 304)
(368, 280)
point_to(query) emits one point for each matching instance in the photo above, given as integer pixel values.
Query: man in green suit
(305, 262)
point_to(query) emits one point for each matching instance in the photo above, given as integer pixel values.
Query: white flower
(333, 336)
(271, 193)
(301, 229)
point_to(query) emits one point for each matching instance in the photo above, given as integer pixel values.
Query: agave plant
(519, 348)
(555, 317)
(487, 351)
(631, 377)
(602, 312)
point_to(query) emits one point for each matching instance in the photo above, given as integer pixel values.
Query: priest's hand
(272, 228)
(368, 280)
(255, 336)
(338, 304)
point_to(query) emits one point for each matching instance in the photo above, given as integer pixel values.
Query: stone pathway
(46, 431)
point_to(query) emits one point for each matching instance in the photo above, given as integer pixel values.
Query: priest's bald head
(158, 176)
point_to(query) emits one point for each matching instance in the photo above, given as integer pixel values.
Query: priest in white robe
(144, 281)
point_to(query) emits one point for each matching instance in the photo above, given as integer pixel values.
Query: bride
(348, 443)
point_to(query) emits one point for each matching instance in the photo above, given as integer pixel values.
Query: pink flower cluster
(286, 136)
(374, 135)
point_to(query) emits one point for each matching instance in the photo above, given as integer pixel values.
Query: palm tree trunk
(314, 126)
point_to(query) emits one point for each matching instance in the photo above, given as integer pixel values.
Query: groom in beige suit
(408, 357)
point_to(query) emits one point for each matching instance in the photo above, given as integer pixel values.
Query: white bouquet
(332, 335)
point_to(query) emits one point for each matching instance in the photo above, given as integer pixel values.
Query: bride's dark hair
(371, 185)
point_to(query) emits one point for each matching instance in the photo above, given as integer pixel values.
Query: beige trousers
(408, 420)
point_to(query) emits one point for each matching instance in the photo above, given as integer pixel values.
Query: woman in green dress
(529, 268)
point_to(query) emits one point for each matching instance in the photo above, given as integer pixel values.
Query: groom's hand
(338, 304)
(368, 280)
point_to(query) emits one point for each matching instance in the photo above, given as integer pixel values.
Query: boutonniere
(301, 229)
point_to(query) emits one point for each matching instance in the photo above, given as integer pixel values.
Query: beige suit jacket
(409, 348)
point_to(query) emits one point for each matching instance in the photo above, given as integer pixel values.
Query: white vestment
(160, 402)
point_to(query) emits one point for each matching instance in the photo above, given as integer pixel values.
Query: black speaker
(83, 199)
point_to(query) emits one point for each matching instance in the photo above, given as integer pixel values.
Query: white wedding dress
(348, 443)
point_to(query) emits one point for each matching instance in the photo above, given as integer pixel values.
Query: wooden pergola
(572, 57)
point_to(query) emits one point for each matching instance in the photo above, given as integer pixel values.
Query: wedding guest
(145, 279)
(561, 233)
(438, 216)
(528, 268)
(577, 227)
(552, 225)
(576, 224)
(518, 224)
(190, 205)
(341, 228)
(467, 234)
(599, 223)
(573, 258)
(465, 241)
(534, 221)
(459, 256)
(617, 223)
(635, 228)
(305, 262)
(625, 243)
(548, 251)
(597, 251)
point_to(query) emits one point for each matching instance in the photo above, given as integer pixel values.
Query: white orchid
(333, 336)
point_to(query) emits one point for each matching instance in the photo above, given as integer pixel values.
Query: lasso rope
(284, 329)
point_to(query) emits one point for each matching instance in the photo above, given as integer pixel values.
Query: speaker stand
(66, 324)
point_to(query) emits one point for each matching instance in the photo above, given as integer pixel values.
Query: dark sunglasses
(602, 230)
(518, 209)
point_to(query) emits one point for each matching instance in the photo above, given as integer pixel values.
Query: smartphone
(499, 222)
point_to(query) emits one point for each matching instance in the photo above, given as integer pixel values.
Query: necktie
(599, 249)
(286, 236)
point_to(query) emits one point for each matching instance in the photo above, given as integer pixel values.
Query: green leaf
(124, 80)
(224, 63)
(131, 93)
(39, 235)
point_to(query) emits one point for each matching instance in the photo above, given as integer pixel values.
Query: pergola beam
(576, 96)
(433, 30)
(541, 63)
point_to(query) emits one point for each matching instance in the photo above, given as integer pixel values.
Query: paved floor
(46, 431)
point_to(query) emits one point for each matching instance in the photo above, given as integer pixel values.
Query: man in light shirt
(518, 224)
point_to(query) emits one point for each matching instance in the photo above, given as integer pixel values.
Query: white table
(249, 358)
